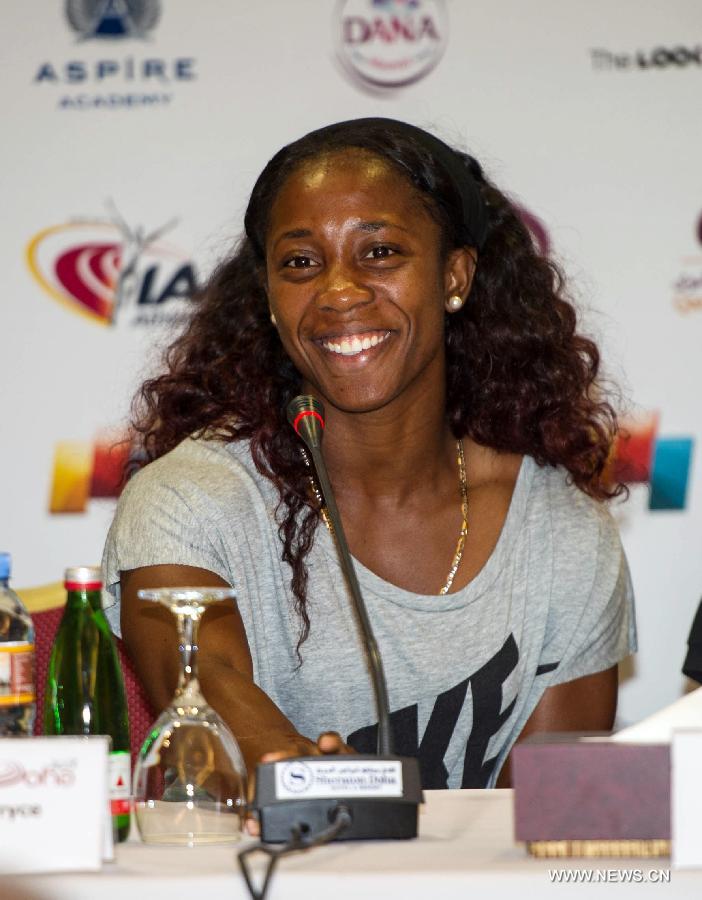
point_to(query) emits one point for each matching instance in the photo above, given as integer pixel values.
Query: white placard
(53, 803)
(318, 778)
(686, 798)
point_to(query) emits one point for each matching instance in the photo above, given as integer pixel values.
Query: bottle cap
(83, 578)
(5, 565)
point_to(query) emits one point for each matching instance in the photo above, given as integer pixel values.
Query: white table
(466, 850)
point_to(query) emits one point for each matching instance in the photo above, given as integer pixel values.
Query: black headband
(463, 171)
(464, 178)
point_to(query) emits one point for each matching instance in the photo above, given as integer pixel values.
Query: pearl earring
(273, 320)
(454, 303)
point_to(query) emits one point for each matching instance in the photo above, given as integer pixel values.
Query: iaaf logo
(106, 269)
(390, 43)
(54, 775)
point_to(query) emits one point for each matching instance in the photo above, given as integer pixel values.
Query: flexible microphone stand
(376, 796)
(306, 415)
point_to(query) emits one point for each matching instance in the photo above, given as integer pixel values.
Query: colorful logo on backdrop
(110, 271)
(642, 456)
(121, 80)
(385, 44)
(110, 19)
(87, 470)
(687, 287)
(678, 56)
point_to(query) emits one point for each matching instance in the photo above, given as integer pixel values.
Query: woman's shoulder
(198, 471)
(573, 514)
(579, 537)
(591, 622)
(189, 507)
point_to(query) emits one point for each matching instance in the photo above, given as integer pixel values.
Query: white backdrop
(587, 113)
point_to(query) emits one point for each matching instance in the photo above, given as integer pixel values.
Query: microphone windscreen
(306, 415)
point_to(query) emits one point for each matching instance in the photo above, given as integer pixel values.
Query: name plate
(328, 778)
(686, 798)
(53, 803)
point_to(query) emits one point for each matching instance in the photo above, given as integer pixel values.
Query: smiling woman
(366, 266)
(466, 442)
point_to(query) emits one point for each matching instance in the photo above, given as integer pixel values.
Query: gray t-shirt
(464, 671)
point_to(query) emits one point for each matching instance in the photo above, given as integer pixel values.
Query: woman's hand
(329, 743)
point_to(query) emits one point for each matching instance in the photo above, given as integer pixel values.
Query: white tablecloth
(465, 850)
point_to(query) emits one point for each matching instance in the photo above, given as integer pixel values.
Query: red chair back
(141, 714)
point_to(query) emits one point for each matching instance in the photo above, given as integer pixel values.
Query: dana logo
(110, 19)
(390, 43)
(107, 270)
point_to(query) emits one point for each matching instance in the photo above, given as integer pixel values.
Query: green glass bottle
(84, 685)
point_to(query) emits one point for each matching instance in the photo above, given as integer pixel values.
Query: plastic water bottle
(84, 684)
(17, 695)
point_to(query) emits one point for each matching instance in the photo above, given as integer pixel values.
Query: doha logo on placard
(109, 19)
(110, 271)
(58, 774)
(386, 44)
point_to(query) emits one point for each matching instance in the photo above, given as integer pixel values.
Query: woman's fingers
(330, 742)
(252, 827)
(277, 755)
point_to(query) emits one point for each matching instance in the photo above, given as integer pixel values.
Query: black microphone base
(390, 814)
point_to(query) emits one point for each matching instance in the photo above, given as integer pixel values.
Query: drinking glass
(190, 776)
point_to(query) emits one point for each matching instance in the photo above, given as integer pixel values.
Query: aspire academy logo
(89, 79)
(110, 19)
(385, 44)
(107, 270)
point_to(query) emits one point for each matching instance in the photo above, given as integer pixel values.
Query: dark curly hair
(519, 377)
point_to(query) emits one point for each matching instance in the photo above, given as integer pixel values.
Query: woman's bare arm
(224, 660)
(584, 704)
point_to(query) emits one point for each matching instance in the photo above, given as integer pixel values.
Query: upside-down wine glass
(190, 776)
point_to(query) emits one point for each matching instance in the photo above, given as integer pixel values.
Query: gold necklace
(458, 555)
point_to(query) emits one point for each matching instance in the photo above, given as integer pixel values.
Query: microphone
(306, 415)
(379, 794)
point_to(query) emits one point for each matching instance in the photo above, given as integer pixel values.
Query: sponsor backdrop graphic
(134, 132)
